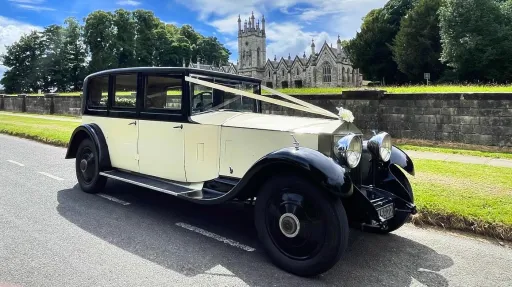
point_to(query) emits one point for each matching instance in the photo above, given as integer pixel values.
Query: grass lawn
(56, 132)
(490, 154)
(389, 89)
(454, 148)
(470, 197)
(457, 194)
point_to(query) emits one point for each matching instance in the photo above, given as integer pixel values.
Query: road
(52, 234)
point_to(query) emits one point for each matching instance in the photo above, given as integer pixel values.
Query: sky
(290, 24)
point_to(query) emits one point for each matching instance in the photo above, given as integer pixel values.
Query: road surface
(52, 234)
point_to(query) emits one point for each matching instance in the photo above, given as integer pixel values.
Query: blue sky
(291, 24)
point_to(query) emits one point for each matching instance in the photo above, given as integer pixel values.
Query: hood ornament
(345, 115)
(295, 142)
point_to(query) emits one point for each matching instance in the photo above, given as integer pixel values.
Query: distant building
(329, 67)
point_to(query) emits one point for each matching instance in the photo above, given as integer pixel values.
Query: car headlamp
(380, 145)
(348, 149)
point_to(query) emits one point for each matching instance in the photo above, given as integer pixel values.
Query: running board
(152, 183)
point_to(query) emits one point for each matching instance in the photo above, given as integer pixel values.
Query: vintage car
(202, 136)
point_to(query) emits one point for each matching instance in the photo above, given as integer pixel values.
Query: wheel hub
(289, 225)
(83, 165)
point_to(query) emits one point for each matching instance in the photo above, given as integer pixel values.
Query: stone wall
(482, 118)
(47, 104)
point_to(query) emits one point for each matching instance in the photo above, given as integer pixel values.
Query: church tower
(252, 48)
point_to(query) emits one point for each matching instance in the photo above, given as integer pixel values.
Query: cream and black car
(202, 136)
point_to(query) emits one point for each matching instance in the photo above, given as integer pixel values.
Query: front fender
(93, 132)
(400, 158)
(323, 170)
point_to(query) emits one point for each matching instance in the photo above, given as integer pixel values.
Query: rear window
(97, 91)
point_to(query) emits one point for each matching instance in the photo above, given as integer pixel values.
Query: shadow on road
(147, 228)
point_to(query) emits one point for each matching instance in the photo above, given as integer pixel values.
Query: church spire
(263, 23)
(313, 47)
(239, 23)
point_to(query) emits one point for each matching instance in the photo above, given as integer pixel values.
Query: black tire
(399, 220)
(308, 253)
(88, 176)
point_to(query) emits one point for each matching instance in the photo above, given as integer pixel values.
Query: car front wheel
(87, 168)
(303, 229)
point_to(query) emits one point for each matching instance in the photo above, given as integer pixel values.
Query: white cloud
(303, 20)
(296, 42)
(34, 8)
(10, 31)
(128, 3)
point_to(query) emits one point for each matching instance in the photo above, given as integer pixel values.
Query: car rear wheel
(303, 229)
(87, 168)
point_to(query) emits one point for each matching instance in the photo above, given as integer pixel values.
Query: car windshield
(206, 99)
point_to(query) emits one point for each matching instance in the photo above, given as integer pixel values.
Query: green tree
(50, 64)
(417, 46)
(73, 55)
(146, 25)
(124, 38)
(477, 39)
(164, 54)
(370, 50)
(23, 61)
(99, 36)
(211, 51)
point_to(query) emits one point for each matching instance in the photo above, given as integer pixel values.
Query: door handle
(133, 123)
(179, 127)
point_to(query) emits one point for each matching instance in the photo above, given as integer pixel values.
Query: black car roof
(175, 70)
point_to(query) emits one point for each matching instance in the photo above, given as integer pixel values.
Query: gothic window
(283, 72)
(343, 75)
(327, 73)
(298, 71)
(269, 73)
(258, 57)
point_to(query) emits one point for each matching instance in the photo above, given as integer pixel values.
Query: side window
(125, 91)
(163, 92)
(97, 92)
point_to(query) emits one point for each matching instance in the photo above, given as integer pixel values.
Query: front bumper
(372, 207)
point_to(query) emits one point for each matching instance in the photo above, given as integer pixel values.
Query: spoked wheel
(87, 168)
(304, 230)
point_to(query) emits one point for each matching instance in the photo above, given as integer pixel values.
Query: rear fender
(93, 132)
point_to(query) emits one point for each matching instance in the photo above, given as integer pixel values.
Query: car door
(121, 126)
(161, 143)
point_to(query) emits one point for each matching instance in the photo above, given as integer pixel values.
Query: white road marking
(15, 162)
(51, 176)
(111, 198)
(215, 236)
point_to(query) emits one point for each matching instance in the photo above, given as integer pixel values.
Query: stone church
(327, 67)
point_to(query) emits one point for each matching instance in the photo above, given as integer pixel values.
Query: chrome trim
(294, 219)
(148, 186)
(341, 147)
(375, 143)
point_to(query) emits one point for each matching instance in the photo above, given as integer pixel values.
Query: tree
(164, 55)
(477, 39)
(23, 60)
(50, 63)
(56, 58)
(370, 50)
(145, 26)
(124, 38)
(99, 36)
(73, 56)
(417, 46)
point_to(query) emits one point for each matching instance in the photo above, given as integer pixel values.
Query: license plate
(387, 211)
